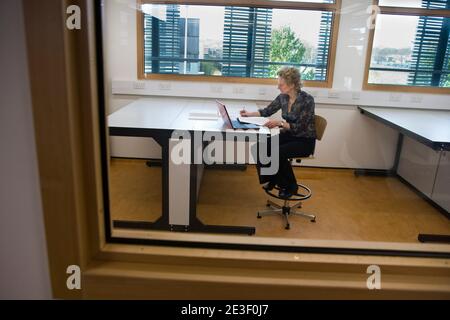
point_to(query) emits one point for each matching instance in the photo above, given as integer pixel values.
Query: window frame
(391, 87)
(332, 7)
(71, 173)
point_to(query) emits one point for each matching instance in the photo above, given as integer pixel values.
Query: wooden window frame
(66, 93)
(333, 7)
(400, 88)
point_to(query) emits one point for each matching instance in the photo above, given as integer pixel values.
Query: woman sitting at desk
(298, 132)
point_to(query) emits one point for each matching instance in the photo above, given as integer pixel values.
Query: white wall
(340, 147)
(24, 272)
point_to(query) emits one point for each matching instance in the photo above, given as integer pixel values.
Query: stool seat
(287, 210)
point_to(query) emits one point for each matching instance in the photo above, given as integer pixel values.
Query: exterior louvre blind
(323, 47)
(246, 41)
(172, 44)
(430, 57)
(162, 40)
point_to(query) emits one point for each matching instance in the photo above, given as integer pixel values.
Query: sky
(403, 3)
(403, 37)
(405, 27)
(306, 23)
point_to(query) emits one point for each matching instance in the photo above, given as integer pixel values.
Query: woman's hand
(245, 113)
(277, 124)
(272, 124)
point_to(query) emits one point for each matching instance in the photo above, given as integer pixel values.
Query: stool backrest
(321, 124)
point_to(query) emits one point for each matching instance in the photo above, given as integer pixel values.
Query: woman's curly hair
(292, 77)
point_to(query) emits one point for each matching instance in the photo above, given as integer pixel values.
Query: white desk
(158, 118)
(422, 157)
(430, 127)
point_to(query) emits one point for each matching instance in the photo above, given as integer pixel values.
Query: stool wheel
(288, 226)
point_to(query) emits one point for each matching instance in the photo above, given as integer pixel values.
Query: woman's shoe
(269, 186)
(293, 190)
(284, 194)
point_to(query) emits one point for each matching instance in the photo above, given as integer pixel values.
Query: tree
(285, 47)
(210, 68)
(446, 82)
(308, 75)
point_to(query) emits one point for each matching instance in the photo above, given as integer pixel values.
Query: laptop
(233, 124)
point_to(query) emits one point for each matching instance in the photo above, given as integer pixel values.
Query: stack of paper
(254, 120)
(261, 120)
(202, 115)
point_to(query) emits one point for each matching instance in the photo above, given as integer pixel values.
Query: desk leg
(175, 191)
(163, 222)
(384, 173)
(154, 163)
(196, 225)
(180, 199)
(435, 238)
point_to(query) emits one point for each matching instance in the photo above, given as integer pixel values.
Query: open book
(203, 115)
(261, 120)
(254, 120)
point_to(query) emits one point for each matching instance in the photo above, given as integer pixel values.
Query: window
(73, 205)
(151, 197)
(410, 48)
(207, 42)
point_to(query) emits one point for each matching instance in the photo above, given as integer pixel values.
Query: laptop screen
(224, 114)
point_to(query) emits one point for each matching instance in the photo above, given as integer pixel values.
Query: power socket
(333, 94)
(313, 93)
(139, 85)
(356, 95)
(238, 90)
(216, 89)
(164, 86)
(416, 99)
(395, 97)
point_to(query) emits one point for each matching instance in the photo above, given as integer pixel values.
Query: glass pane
(426, 4)
(153, 196)
(410, 50)
(235, 41)
(314, 1)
